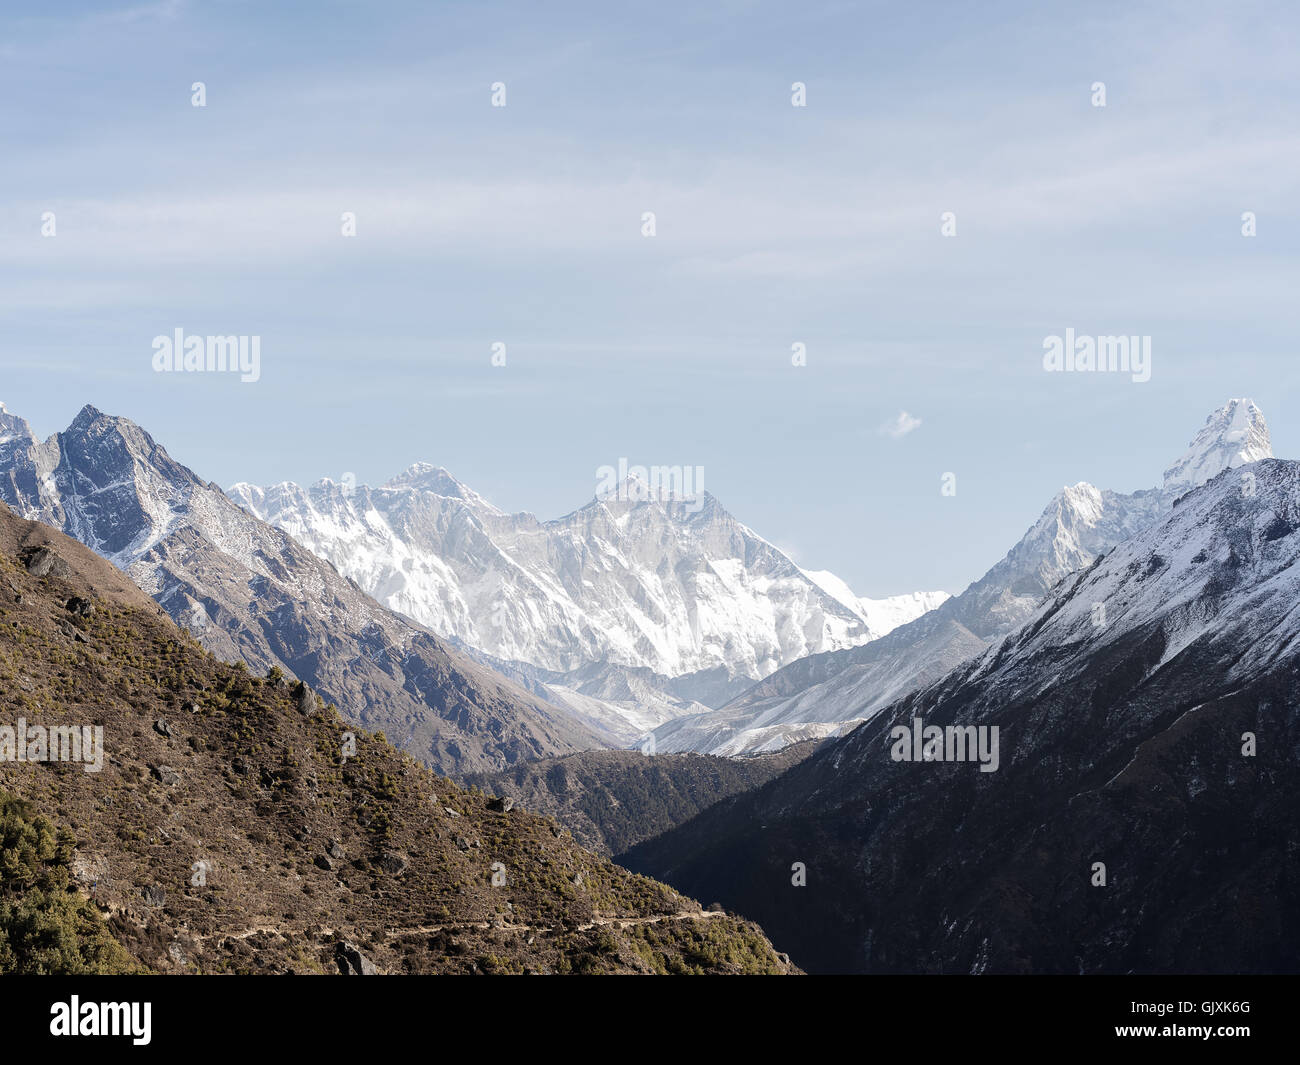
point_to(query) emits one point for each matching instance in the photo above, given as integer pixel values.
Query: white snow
(1079, 524)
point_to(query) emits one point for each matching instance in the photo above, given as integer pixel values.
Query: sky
(774, 225)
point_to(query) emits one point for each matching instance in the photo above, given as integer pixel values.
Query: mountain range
(1140, 815)
(1129, 669)
(498, 638)
(629, 611)
(831, 693)
(252, 593)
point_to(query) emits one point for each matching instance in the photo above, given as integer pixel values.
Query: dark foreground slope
(233, 827)
(613, 800)
(1148, 725)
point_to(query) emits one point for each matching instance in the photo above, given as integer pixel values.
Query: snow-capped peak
(673, 588)
(1233, 435)
(426, 477)
(13, 427)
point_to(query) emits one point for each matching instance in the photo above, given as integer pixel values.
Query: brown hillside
(230, 830)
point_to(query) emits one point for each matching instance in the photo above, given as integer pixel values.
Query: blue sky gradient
(775, 225)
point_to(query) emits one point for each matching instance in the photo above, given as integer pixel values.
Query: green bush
(46, 927)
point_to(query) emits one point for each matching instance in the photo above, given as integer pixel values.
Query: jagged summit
(251, 592)
(426, 477)
(674, 603)
(822, 695)
(12, 426)
(1232, 436)
(90, 413)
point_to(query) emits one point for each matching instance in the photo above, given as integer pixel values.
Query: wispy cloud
(900, 426)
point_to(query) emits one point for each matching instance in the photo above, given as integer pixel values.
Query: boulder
(43, 562)
(306, 699)
(81, 607)
(352, 962)
(393, 864)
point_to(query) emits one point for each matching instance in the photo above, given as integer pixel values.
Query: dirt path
(599, 922)
(477, 926)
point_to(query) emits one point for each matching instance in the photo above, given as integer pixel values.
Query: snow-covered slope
(628, 613)
(882, 616)
(829, 694)
(1233, 436)
(250, 592)
(1146, 720)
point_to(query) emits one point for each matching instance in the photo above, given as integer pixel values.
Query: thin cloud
(899, 427)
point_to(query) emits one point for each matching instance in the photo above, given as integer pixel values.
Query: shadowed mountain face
(250, 592)
(1143, 815)
(826, 694)
(228, 825)
(612, 800)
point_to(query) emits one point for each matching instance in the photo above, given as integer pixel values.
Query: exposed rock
(306, 700)
(90, 869)
(162, 727)
(43, 562)
(81, 607)
(393, 864)
(352, 962)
